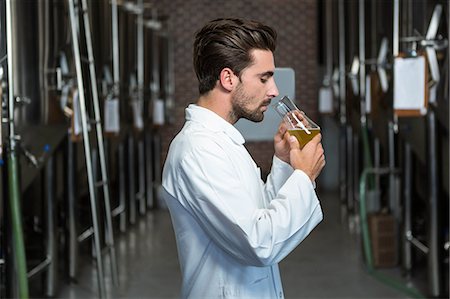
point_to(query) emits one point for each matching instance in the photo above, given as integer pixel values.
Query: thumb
(293, 142)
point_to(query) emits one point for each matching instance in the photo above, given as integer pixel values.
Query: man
(231, 228)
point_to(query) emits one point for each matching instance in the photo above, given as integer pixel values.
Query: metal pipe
(396, 24)
(140, 51)
(141, 162)
(377, 163)
(394, 200)
(51, 230)
(115, 47)
(419, 245)
(13, 175)
(122, 188)
(149, 169)
(343, 169)
(71, 197)
(407, 223)
(154, 85)
(350, 161)
(40, 267)
(433, 227)
(329, 41)
(342, 67)
(131, 179)
(362, 65)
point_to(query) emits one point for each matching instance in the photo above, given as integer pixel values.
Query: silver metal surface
(434, 275)
(343, 169)
(350, 168)
(329, 42)
(149, 170)
(394, 200)
(115, 47)
(72, 221)
(141, 174)
(407, 200)
(362, 57)
(51, 236)
(131, 180)
(396, 24)
(122, 187)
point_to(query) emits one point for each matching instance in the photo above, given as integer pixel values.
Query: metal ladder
(104, 182)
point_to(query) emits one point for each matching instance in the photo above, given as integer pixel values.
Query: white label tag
(77, 128)
(137, 114)
(158, 112)
(112, 116)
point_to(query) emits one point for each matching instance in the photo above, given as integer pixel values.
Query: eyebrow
(266, 74)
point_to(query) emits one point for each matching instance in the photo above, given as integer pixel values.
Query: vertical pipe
(329, 41)
(448, 69)
(343, 172)
(433, 227)
(141, 159)
(407, 223)
(149, 169)
(13, 175)
(140, 50)
(362, 58)
(115, 47)
(393, 201)
(71, 194)
(155, 61)
(131, 177)
(350, 161)
(377, 164)
(140, 83)
(356, 168)
(157, 149)
(396, 24)
(51, 230)
(122, 189)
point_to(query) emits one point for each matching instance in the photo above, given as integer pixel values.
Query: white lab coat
(231, 229)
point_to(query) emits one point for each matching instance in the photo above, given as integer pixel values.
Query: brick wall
(296, 24)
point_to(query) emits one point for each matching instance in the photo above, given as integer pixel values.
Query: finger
(280, 133)
(282, 128)
(293, 142)
(317, 138)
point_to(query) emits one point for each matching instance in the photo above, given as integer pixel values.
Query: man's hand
(281, 143)
(310, 159)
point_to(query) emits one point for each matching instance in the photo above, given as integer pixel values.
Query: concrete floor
(328, 264)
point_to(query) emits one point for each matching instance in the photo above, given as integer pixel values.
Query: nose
(273, 90)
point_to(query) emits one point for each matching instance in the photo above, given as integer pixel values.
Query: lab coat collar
(213, 122)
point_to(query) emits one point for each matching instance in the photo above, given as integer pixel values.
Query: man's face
(256, 88)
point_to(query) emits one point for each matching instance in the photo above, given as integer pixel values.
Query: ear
(227, 79)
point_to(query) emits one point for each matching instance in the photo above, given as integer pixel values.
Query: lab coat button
(281, 294)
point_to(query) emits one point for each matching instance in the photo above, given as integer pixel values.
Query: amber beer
(303, 137)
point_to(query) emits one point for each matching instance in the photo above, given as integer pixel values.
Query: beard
(239, 101)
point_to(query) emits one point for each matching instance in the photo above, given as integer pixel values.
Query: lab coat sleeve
(219, 199)
(278, 175)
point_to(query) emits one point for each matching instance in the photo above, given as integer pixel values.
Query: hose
(17, 230)
(400, 286)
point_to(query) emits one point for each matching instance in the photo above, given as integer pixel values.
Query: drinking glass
(298, 124)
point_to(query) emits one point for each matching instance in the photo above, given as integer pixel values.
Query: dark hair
(225, 43)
